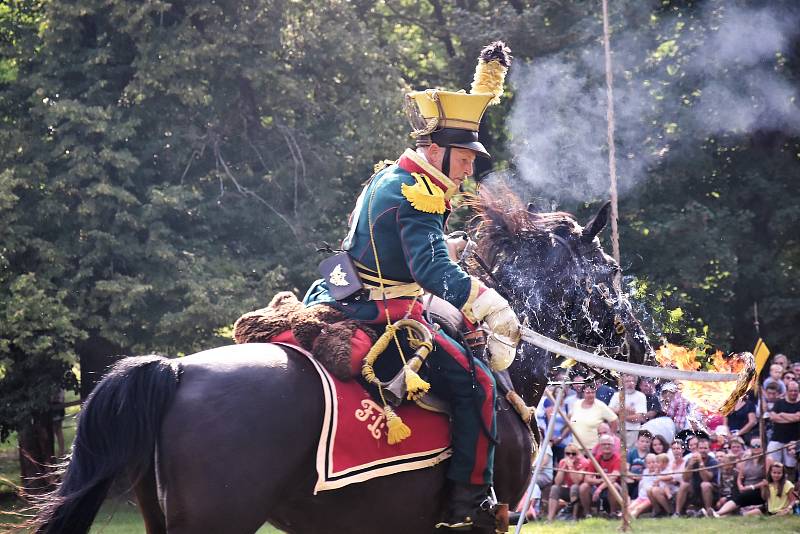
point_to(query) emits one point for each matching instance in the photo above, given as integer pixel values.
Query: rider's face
(462, 162)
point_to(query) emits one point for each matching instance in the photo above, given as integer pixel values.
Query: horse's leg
(147, 498)
(235, 439)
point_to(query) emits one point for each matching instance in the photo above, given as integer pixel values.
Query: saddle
(337, 342)
(341, 344)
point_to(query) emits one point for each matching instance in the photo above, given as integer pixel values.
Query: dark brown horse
(224, 440)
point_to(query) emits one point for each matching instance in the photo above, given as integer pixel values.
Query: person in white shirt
(635, 409)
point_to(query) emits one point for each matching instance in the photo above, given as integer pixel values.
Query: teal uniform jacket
(408, 205)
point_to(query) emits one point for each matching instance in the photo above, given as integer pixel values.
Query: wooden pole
(612, 489)
(623, 464)
(537, 465)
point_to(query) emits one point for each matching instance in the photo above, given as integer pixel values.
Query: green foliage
(37, 336)
(166, 166)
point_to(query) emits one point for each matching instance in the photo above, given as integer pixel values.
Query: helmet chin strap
(446, 162)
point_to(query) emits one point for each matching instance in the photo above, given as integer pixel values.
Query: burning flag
(710, 397)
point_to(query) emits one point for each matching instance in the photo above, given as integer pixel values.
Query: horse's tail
(116, 435)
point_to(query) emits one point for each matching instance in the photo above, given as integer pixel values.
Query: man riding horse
(397, 249)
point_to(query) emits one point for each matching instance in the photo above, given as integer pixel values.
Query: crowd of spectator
(681, 461)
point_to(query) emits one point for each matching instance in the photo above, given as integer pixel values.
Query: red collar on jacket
(410, 161)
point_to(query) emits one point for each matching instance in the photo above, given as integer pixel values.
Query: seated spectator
(796, 368)
(604, 429)
(785, 419)
(593, 489)
(776, 371)
(659, 445)
(636, 461)
(737, 447)
(728, 479)
(698, 487)
(649, 476)
(564, 491)
(779, 494)
(635, 409)
(719, 438)
(750, 480)
(674, 405)
(691, 446)
(543, 479)
(742, 420)
(562, 435)
(667, 485)
(587, 415)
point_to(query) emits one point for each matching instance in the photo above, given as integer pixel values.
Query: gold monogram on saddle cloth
(353, 443)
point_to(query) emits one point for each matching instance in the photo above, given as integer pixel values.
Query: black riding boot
(464, 506)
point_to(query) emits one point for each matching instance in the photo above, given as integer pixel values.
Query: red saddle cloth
(353, 446)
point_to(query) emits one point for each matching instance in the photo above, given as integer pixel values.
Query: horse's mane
(501, 219)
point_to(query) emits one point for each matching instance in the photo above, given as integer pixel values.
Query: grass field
(121, 517)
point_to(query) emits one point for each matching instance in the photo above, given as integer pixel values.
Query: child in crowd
(649, 477)
(662, 492)
(727, 479)
(779, 494)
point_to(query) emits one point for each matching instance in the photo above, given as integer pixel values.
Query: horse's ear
(598, 222)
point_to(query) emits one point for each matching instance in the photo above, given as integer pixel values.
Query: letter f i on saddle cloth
(399, 251)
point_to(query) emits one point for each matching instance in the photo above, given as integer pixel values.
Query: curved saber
(544, 342)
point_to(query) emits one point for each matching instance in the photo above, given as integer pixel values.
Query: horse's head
(557, 278)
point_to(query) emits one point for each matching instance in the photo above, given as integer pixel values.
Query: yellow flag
(761, 353)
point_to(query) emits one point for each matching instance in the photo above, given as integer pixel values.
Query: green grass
(727, 525)
(121, 517)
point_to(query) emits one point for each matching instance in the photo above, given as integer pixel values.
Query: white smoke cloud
(558, 122)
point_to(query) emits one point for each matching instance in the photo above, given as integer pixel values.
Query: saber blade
(551, 345)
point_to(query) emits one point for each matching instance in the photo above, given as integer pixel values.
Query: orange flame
(708, 396)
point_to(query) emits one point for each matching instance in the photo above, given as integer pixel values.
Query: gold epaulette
(424, 195)
(381, 165)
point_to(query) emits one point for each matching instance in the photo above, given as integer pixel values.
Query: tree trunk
(96, 356)
(37, 453)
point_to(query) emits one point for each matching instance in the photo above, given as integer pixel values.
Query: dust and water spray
(717, 73)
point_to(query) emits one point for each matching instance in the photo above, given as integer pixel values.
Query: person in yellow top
(586, 416)
(779, 494)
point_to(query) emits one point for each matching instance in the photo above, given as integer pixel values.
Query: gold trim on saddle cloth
(327, 477)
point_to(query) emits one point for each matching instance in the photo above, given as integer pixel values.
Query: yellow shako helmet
(452, 119)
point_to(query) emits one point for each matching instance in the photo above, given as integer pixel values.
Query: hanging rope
(612, 151)
(612, 171)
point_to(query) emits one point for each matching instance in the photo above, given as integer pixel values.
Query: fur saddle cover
(337, 342)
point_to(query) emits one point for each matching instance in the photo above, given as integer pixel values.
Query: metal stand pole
(537, 466)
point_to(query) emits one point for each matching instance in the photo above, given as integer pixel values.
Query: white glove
(501, 326)
(456, 243)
